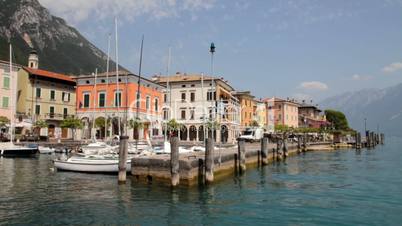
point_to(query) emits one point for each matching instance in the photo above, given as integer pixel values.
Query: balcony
(54, 116)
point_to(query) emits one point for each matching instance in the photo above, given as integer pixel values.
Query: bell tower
(33, 60)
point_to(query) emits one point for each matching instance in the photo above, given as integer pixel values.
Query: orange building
(248, 107)
(111, 99)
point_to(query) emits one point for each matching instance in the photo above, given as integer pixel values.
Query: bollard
(123, 150)
(242, 155)
(278, 149)
(285, 146)
(209, 161)
(174, 161)
(299, 144)
(264, 150)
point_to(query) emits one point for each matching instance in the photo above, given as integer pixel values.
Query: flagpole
(138, 88)
(107, 84)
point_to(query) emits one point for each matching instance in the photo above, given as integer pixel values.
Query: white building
(195, 100)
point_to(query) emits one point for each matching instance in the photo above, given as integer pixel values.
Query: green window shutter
(6, 82)
(5, 102)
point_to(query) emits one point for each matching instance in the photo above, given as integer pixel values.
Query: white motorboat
(12, 150)
(90, 165)
(46, 150)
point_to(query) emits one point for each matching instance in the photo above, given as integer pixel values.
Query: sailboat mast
(117, 80)
(93, 135)
(13, 111)
(107, 83)
(169, 92)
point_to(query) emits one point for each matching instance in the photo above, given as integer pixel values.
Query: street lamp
(212, 51)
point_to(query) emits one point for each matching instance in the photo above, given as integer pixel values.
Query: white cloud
(76, 11)
(392, 67)
(314, 86)
(357, 77)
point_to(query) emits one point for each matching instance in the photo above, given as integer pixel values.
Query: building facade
(194, 100)
(47, 96)
(8, 85)
(248, 108)
(282, 112)
(310, 116)
(113, 96)
(261, 114)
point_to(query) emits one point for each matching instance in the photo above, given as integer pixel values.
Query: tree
(254, 123)
(337, 119)
(41, 124)
(212, 125)
(282, 128)
(100, 122)
(173, 126)
(4, 121)
(71, 123)
(135, 123)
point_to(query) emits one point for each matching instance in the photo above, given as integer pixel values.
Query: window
(51, 112)
(148, 103)
(6, 82)
(86, 98)
(5, 102)
(192, 113)
(183, 97)
(183, 86)
(165, 114)
(192, 97)
(52, 95)
(38, 92)
(65, 96)
(37, 109)
(156, 103)
(211, 95)
(117, 99)
(183, 114)
(101, 101)
(165, 98)
(65, 112)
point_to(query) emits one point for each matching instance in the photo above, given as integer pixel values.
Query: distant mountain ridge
(381, 107)
(61, 48)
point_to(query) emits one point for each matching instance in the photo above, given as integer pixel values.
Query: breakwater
(191, 166)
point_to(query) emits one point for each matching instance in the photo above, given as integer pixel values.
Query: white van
(252, 134)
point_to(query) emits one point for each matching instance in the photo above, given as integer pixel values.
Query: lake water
(316, 188)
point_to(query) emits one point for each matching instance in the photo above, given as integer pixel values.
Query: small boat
(46, 150)
(12, 150)
(98, 148)
(90, 165)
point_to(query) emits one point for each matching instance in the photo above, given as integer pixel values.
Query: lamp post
(212, 51)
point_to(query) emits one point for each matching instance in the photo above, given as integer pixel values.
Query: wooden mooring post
(264, 150)
(174, 161)
(381, 138)
(358, 141)
(304, 142)
(242, 155)
(123, 151)
(299, 144)
(279, 144)
(285, 145)
(209, 161)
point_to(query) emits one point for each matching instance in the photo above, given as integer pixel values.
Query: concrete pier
(191, 165)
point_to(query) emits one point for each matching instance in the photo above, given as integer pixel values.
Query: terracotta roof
(181, 78)
(48, 74)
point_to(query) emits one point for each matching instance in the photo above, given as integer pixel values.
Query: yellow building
(248, 106)
(47, 96)
(261, 114)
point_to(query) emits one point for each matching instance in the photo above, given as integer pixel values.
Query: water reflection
(311, 188)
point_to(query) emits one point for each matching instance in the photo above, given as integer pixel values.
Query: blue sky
(308, 49)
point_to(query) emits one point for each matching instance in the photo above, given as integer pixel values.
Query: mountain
(381, 107)
(61, 48)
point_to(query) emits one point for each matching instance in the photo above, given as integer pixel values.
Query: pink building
(282, 112)
(7, 89)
